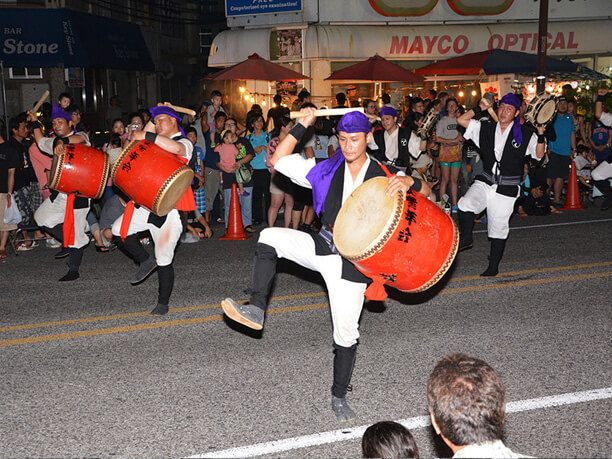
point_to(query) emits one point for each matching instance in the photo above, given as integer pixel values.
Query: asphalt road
(85, 371)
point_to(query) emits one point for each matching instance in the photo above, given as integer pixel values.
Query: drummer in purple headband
(503, 147)
(332, 181)
(164, 130)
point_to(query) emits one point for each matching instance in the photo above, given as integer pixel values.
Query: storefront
(322, 37)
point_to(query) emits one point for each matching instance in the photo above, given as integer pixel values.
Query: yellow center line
(278, 298)
(197, 320)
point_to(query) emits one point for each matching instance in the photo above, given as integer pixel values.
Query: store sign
(253, 7)
(427, 45)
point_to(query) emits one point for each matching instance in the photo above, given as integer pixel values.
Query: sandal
(3, 254)
(249, 229)
(555, 211)
(102, 248)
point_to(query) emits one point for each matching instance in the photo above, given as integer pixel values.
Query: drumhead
(367, 218)
(547, 112)
(55, 173)
(172, 191)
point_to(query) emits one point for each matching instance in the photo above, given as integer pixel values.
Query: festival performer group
(368, 151)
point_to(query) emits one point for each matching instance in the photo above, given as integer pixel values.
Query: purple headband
(165, 110)
(511, 99)
(353, 122)
(386, 110)
(59, 113)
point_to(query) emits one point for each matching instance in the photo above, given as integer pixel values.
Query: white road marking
(417, 422)
(513, 228)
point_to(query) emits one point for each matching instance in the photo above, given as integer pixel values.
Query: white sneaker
(189, 238)
(52, 243)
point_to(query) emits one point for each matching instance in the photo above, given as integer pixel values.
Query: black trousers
(261, 194)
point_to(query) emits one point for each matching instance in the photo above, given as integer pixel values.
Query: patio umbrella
(378, 69)
(256, 68)
(581, 73)
(494, 62)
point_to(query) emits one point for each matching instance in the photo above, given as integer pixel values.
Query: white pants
(165, 238)
(481, 196)
(51, 214)
(345, 297)
(602, 172)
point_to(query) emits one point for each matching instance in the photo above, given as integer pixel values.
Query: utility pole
(542, 41)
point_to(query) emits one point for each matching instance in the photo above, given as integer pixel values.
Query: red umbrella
(494, 62)
(376, 68)
(256, 68)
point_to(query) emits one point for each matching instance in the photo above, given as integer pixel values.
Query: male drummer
(332, 181)
(602, 173)
(163, 130)
(503, 147)
(56, 209)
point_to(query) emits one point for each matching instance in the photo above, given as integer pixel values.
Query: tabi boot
(497, 250)
(146, 264)
(466, 226)
(166, 283)
(344, 361)
(604, 187)
(75, 256)
(252, 315)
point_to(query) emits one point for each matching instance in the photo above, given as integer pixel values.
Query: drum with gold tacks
(406, 242)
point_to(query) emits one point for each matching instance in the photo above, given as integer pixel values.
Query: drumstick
(326, 112)
(40, 101)
(176, 108)
(493, 114)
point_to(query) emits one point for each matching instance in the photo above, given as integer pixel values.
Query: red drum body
(79, 169)
(151, 176)
(406, 243)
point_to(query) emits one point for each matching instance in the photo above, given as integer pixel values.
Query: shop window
(25, 73)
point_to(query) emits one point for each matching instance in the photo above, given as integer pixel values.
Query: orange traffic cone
(572, 197)
(235, 229)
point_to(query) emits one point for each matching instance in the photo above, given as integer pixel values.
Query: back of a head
(388, 439)
(303, 95)
(467, 400)
(386, 99)
(277, 99)
(341, 98)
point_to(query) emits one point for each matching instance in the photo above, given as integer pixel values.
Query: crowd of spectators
(237, 151)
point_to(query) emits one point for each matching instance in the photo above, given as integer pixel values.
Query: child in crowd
(388, 439)
(229, 154)
(584, 161)
(198, 169)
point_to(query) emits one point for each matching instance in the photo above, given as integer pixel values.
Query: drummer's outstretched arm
(601, 94)
(287, 145)
(464, 120)
(161, 141)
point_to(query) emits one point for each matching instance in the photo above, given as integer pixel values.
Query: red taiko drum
(151, 176)
(407, 243)
(79, 169)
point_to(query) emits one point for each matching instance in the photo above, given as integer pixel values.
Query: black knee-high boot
(264, 270)
(604, 187)
(497, 250)
(466, 226)
(166, 283)
(344, 361)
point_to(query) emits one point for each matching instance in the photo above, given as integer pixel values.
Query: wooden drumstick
(493, 114)
(176, 108)
(40, 101)
(326, 112)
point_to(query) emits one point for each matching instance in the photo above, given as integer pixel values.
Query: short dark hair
(114, 140)
(367, 102)
(414, 101)
(215, 93)
(303, 94)
(189, 129)
(433, 93)
(442, 94)
(277, 99)
(220, 114)
(449, 100)
(65, 95)
(388, 439)
(386, 99)
(341, 98)
(467, 400)
(16, 120)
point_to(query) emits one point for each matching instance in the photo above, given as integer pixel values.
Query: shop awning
(494, 62)
(256, 68)
(64, 38)
(582, 73)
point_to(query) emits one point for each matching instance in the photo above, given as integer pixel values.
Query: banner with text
(253, 7)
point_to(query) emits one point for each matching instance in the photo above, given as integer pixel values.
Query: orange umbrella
(256, 68)
(376, 68)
